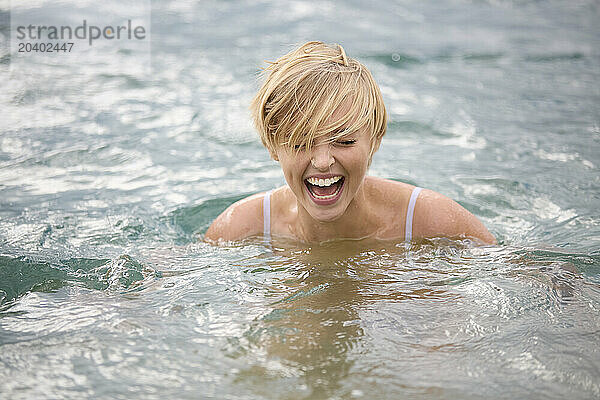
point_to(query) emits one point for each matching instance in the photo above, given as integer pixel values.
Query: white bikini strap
(410, 212)
(267, 216)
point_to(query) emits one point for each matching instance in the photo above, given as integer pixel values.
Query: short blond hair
(304, 88)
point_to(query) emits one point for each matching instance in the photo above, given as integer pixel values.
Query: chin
(330, 215)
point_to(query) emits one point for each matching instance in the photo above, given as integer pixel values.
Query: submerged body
(321, 116)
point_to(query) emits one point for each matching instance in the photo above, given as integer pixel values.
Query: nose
(321, 157)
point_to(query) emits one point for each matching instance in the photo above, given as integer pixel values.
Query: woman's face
(326, 178)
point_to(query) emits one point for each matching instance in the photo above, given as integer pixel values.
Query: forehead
(343, 117)
(339, 113)
(323, 116)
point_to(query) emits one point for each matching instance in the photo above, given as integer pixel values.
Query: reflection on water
(343, 308)
(338, 320)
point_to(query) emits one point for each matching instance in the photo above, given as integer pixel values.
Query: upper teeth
(324, 182)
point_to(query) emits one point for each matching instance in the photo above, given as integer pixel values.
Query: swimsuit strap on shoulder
(267, 216)
(410, 212)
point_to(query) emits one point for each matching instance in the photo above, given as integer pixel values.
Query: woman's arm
(240, 220)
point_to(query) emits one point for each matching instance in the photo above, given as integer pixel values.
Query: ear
(273, 155)
(376, 145)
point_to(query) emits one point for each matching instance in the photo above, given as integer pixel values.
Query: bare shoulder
(436, 215)
(388, 190)
(240, 220)
(388, 202)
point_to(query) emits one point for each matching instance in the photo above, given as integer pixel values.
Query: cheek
(292, 169)
(360, 161)
(358, 167)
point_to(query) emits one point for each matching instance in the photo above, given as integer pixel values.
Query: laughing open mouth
(325, 190)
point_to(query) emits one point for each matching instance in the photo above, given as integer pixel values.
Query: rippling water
(108, 179)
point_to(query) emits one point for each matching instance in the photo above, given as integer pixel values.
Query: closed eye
(347, 142)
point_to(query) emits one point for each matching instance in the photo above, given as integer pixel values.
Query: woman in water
(320, 114)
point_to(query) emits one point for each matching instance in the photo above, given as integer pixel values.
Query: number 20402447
(26, 47)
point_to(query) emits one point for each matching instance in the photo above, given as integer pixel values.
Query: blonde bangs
(303, 91)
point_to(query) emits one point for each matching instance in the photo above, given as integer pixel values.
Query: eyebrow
(341, 130)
